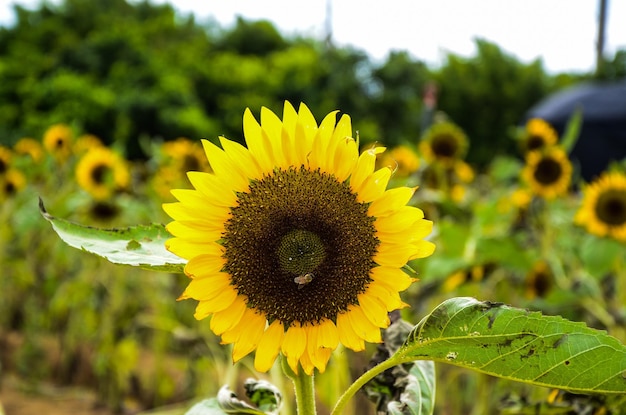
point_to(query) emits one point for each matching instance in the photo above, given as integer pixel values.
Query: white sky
(562, 32)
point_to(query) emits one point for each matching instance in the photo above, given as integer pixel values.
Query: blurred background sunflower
(537, 134)
(101, 172)
(548, 172)
(603, 208)
(57, 140)
(443, 142)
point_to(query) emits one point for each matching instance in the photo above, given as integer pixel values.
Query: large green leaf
(520, 345)
(141, 246)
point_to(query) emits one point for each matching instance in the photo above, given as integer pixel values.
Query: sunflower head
(444, 142)
(185, 155)
(11, 182)
(5, 159)
(293, 243)
(101, 172)
(537, 135)
(57, 140)
(603, 208)
(401, 159)
(539, 280)
(29, 147)
(86, 142)
(548, 172)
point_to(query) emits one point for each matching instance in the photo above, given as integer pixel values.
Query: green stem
(365, 377)
(304, 389)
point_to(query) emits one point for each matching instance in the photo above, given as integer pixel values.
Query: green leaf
(519, 345)
(600, 255)
(265, 399)
(140, 246)
(206, 407)
(572, 130)
(418, 397)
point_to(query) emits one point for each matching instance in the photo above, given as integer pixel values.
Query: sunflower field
(183, 234)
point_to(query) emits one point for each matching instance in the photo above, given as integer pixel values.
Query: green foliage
(520, 345)
(488, 93)
(123, 71)
(142, 246)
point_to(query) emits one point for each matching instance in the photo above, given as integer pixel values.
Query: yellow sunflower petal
(347, 335)
(269, 346)
(346, 158)
(394, 278)
(244, 160)
(390, 255)
(223, 167)
(250, 331)
(328, 335)
(209, 287)
(215, 304)
(374, 310)
(364, 167)
(424, 249)
(187, 249)
(294, 343)
(227, 319)
(362, 326)
(211, 188)
(374, 186)
(257, 142)
(399, 220)
(390, 201)
(387, 296)
(204, 265)
(195, 231)
(320, 157)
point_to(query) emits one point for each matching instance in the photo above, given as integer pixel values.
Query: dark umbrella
(602, 136)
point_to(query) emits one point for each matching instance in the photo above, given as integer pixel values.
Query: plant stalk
(304, 389)
(363, 379)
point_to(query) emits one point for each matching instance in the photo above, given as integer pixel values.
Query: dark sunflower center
(99, 173)
(444, 145)
(300, 252)
(611, 207)
(548, 171)
(299, 246)
(3, 166)
(190, 163)
(534, 142)
(59, 143)
(10, 189)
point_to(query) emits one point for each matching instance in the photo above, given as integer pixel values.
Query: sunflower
(11, 182)
(178, 157)
(443, 142)
(100, 172)
(548, 172)
(5, 159)
(603, 209)
(57, 140)
(294, 245)
(539, 280)
(30, 147)
(86, 142)
(537, 134)
(401, 159)
(185, 155)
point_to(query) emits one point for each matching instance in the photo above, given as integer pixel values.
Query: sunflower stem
(361, 381)
(304, 389)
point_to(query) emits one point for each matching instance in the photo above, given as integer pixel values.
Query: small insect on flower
(303, 280)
